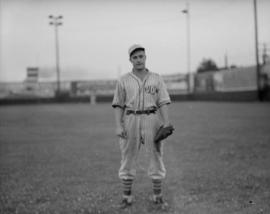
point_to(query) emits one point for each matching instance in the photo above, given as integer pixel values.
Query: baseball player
(141, 106)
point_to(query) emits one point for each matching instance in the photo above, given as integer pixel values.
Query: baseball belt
(149, 111)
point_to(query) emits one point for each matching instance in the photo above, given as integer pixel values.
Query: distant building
(31, 81)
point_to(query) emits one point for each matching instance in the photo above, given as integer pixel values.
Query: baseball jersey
(133, 93)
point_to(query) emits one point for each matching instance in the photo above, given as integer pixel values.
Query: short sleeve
(163, 95)
(119, 95)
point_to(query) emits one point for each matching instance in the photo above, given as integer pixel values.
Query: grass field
(65, 159)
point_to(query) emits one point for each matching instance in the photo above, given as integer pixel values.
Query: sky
(96, 34)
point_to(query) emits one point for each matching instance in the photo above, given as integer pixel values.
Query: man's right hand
(121, 132)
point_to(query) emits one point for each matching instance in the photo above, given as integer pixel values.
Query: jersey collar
(137, 78)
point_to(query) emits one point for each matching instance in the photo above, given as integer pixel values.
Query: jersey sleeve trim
(118, 106)
(164, 102)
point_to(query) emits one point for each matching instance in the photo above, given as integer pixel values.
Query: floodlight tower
(187, 13)
(56, 21)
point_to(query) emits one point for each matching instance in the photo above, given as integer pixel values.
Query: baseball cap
(135, 47)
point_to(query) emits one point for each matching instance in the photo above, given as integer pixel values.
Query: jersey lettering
(151, 89)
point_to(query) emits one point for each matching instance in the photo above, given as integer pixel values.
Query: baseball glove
(162, 133)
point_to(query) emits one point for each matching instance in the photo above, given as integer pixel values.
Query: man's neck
(140, 73)
(139, 70)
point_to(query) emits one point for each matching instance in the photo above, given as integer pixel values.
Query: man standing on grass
(141, 107)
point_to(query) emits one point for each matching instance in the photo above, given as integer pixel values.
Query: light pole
(56, 22)
(258, 72)
(187, 12)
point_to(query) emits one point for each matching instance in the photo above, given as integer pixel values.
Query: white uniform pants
(141, 129)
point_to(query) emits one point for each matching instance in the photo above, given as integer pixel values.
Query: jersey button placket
(143, 117)
(140, 108)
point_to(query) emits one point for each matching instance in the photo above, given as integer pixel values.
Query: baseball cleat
(126, 202)
(158, 200)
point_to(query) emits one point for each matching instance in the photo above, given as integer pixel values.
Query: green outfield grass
(65, 159)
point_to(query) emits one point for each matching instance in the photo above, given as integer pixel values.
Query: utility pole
(226, 61)
(258, 72)
(56, 22)
(264, 54)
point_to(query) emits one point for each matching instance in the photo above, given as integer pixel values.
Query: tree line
(208, 64)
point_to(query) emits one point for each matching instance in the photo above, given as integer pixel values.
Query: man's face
(138, 60)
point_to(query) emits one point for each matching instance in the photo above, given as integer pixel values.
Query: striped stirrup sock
(127, 185)
(157, 184)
